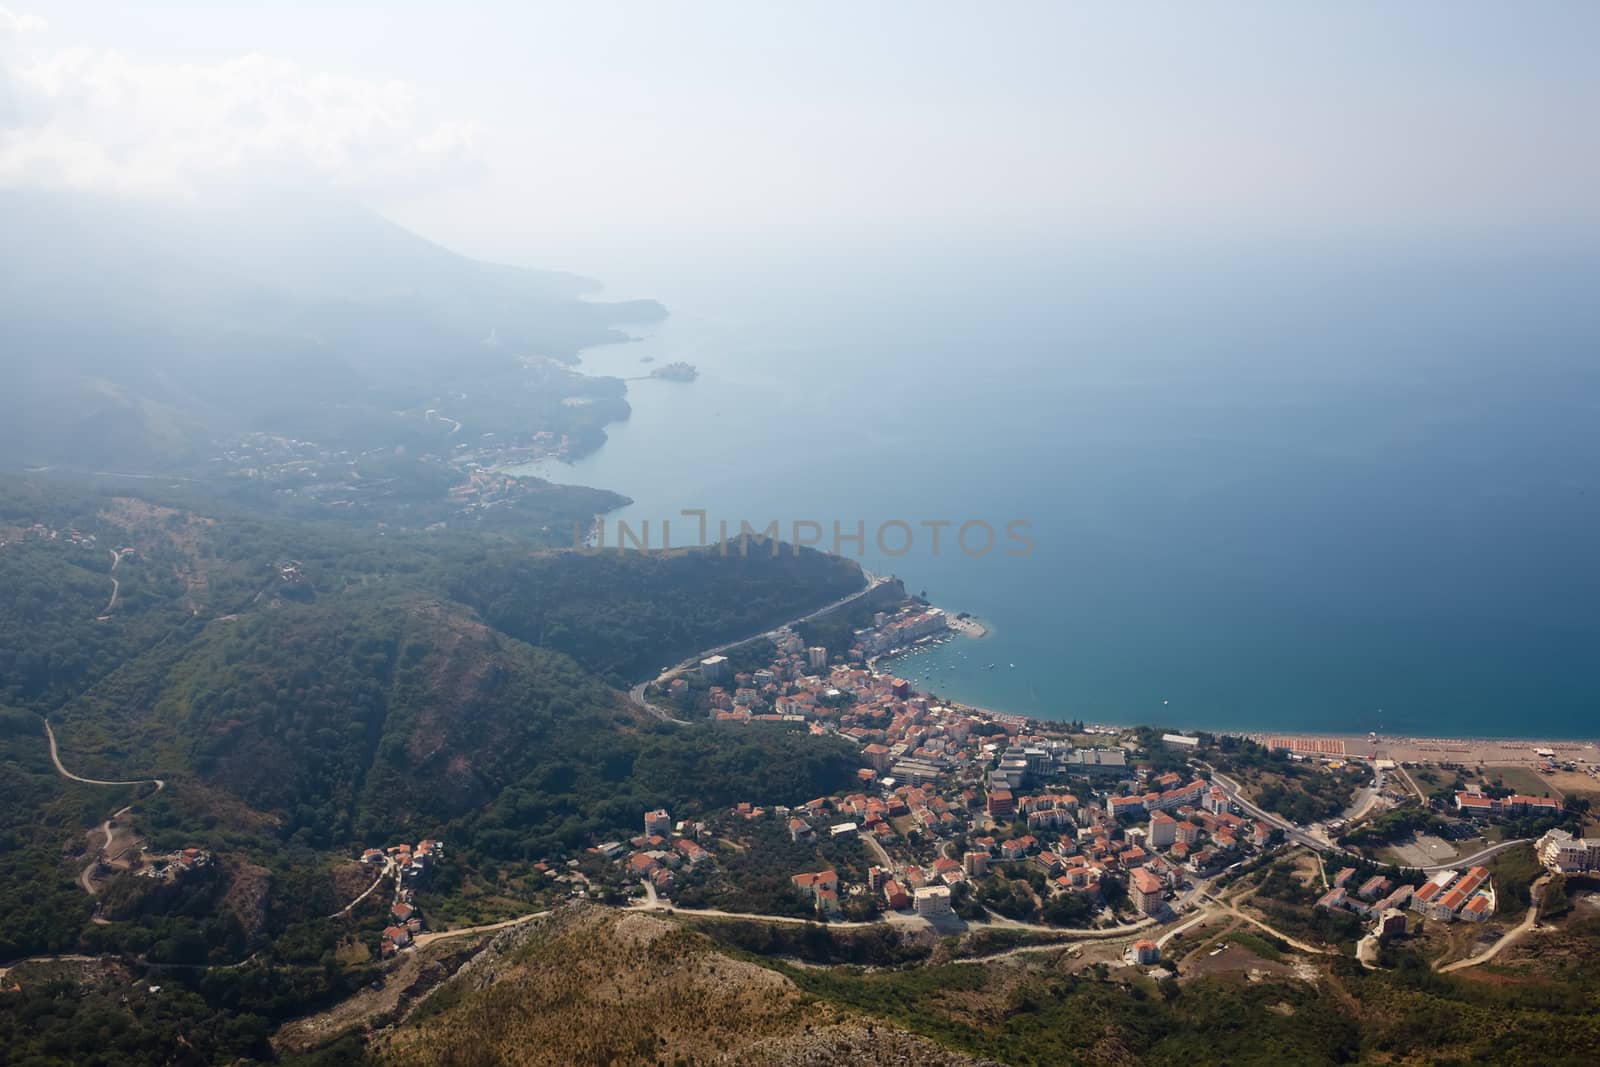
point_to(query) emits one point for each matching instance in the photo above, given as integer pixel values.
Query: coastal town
(1144, 853)
(963, 818)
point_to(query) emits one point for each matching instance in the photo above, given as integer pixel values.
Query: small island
(676, 372)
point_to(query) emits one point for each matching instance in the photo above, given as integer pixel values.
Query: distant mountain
(134, 330)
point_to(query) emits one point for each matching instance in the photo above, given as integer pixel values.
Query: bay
(1319, 489)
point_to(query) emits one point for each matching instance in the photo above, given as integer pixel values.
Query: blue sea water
(1320, 489)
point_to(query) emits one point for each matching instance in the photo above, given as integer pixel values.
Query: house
(814, 884)
(1342, 879)
(828, 901)
(1163, 830)
(691, 851)
(1146, 952)
(894, 897)
(1132, 857)
(800, 830)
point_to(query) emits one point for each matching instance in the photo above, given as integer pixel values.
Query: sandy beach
(1468, 751)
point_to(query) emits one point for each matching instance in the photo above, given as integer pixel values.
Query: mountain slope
(138, 330)
(590, 986)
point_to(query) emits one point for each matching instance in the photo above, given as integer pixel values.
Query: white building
(1564, 854)
(933, 900)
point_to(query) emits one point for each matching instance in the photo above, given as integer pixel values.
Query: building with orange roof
(1146, 890)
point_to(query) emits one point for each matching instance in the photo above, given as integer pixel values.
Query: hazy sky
(505, 128)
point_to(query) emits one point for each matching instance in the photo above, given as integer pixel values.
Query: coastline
(1408, 748)
(1515, 746)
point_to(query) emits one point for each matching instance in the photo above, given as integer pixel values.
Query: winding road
(1294, 833)
(422, 940)
(1536, 894)
(104, 851)
(116, 584)
(388, 868)
(636, 694)
(894, 918)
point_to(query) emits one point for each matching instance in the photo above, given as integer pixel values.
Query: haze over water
(1266, 489)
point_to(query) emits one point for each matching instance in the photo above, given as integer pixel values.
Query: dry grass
(1573, 783)
(594, 986)
(1523, 780)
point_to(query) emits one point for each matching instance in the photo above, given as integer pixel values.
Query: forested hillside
(626, 615)
(309, 690)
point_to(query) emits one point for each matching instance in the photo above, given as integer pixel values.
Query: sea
(1305, 487)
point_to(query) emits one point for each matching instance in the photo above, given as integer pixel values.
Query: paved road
(1161, 942)
(1299, 836)
(1365, 798)
(636, 694)
(1477, 857)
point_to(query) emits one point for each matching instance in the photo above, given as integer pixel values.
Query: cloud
(107, 121)
(11, 22)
